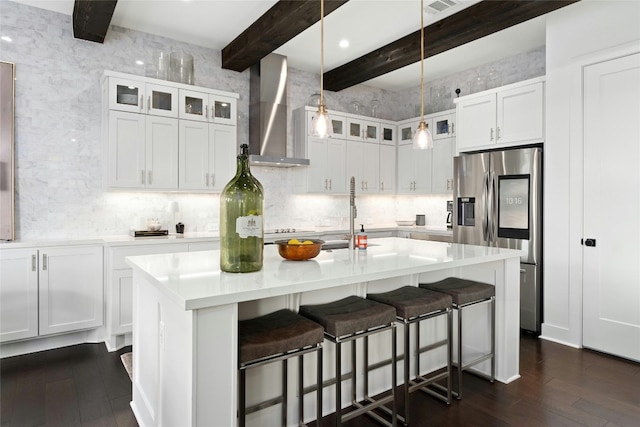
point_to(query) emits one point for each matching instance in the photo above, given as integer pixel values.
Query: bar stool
(274, 337)
(347, 320)
(466, 293)
(413, 305)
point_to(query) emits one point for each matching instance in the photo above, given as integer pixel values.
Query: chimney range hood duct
(268, 114)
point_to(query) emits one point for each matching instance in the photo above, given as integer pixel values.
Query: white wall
(59, 189)
(583, 33)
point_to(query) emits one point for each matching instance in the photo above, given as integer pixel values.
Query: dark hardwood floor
(560, 386)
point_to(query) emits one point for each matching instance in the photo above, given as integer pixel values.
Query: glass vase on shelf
(241, 220)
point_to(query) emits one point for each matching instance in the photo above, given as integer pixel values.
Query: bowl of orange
(299, 250)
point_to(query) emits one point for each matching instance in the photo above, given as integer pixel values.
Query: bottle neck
(243, 165)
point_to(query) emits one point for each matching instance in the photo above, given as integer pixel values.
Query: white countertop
(193, 237)
(193, 280)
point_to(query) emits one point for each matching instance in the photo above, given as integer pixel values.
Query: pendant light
(321, 125)
(422, 138)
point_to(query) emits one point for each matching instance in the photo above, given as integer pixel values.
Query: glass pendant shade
(321, 124)
(422, 138)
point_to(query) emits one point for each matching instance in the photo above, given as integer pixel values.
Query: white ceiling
(367, 24)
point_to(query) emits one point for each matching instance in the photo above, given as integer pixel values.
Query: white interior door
(611, 267)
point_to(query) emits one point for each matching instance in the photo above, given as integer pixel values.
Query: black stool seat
(462, 291)
(349, 315)
(276, 333)
(410, 301)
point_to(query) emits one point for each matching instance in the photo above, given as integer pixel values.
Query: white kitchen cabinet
(406, 130)
(70, 289)
(387, 169)
(18, 294)
(388, 132)
(141, 127)
(207, 154)
(506, 116)
(137, 96)
(443, 125)
(414, 170)
(211, 107)
(361, 129)
(304, 121)
(442, 166)
(119, 279)
(326, 172)
(142, 151)
(363, 163)
(50, 291)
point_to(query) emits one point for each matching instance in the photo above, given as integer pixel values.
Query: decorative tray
(146, 233)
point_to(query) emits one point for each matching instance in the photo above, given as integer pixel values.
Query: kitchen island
(186, 313)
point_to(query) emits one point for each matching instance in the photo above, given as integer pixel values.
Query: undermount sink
(335, 244)
(338, 244)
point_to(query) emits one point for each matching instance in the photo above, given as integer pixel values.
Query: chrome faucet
(353, 213)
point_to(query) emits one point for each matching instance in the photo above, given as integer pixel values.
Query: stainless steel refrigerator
(498, 202)
(7, 77)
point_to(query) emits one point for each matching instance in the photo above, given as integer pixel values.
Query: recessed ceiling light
(6, 39)
(139, 62)
(344, 43)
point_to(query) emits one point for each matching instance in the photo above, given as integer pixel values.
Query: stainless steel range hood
(268, 114)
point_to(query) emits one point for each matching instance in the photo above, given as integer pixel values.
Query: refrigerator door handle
(493, 196)
(486, 200)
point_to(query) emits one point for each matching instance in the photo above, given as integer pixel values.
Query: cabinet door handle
(141, 106)
(142, 175)
(491, 136)
(149, 103)
(206, 179)
(206, 112)
(381, 186)
(44, 262)
(329, 183)
(213, 180)
(326, 184)
(150, 176)
(366, 185)
(497, 133)
(33, 262)
(453, 128)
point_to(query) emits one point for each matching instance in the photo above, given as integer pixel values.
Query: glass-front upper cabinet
(407, 129)
(126, 95)
(161, 100)
(388, 133)
(139, 97)
(363, 130)
(338, 128)
(205, 107)
(444, 126)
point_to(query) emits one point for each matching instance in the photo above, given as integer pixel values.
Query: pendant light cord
(322, 52)
(421, 59)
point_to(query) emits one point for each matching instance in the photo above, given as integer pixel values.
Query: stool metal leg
(407, 362)
(338, 384)
(284, 392)
(493, 338)
(300, 390)
(353, 370)
(241, 398)
(394, 379)
(449, 352)
(319, 387)
(459, 391)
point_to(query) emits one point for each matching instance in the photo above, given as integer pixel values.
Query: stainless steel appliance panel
(530, 297)
(471, 184)
(7, 73)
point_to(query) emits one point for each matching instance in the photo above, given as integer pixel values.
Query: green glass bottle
(241, 225)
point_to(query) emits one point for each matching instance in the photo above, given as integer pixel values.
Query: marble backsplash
(59, 188)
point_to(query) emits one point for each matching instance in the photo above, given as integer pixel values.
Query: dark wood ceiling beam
(474, 22)
(285, 20)
(91, 19)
